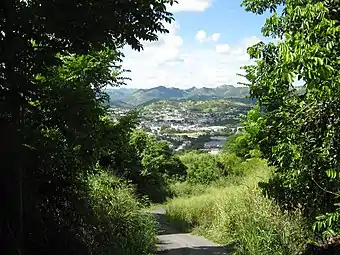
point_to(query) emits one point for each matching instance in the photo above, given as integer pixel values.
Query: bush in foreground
(121, 229)
(138, 157)
(203, 168)
(238, 214)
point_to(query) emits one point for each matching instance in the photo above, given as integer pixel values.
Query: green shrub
(185, 188)
(238, 144)
(206, 168)
(229, 163)
(202, 168)
(238, 214)
(138, 157)
(298, 131)
(121, 227)
(188, 189)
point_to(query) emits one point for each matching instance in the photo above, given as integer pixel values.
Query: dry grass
(235, 212)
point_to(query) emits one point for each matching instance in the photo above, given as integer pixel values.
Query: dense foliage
(203, 168)
(120, 226)
(139, 158)
(244, 143)
(299, 132)
(233, 212)
(52, 71)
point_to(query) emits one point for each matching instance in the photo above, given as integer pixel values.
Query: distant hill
(124, 97)
(120, 104)
(144, 95)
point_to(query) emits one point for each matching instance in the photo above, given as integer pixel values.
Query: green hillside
(134, 97)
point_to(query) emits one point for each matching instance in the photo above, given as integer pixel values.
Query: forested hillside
(136, 97)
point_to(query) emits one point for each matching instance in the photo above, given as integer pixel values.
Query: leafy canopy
(299, 133)
(55, 58)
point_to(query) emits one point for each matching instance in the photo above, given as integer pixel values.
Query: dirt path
(171, 242)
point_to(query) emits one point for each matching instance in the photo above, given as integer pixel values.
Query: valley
(235, 150)
(190, 124)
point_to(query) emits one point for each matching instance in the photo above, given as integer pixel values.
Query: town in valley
(194, 123)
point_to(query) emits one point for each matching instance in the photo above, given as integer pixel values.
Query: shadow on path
(200, 250)
(174, 242)
(164, 227)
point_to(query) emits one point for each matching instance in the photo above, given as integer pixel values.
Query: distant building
(214, 151)
(218, 138)
(214, 144)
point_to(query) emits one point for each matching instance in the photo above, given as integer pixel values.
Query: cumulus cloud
(222, 48)
(201, 35)
(171, 62)
(215, 37)
(251, 41)
(190, 6)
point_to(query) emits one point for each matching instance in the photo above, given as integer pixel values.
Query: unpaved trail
(171, 242)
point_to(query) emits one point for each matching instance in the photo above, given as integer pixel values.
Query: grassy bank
(233, 212)
(120, 225)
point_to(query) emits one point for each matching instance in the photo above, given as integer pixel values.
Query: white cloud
(201, 36)
(171, 62)
(215, 37)
(222, 48)
(167, 48)
(251, 41)
(190, 6)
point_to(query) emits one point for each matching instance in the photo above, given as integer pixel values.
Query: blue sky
(224, 16)
(206, 46)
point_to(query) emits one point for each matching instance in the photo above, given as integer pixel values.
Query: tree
(156, 163)
(35, 38)
(299, 132)
(134, 155)
(62, 130)
(158, 157)
(244, 144)
(202, 167)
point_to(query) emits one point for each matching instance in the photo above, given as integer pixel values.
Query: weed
(237, 213)
(121, 227)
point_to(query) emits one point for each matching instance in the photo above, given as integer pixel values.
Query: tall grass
(235, 212)
(121, 226)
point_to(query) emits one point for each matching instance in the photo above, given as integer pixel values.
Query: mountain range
(129, 98)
